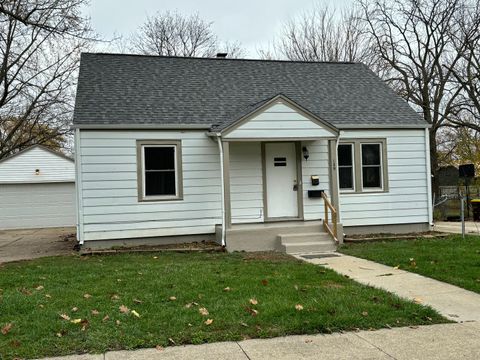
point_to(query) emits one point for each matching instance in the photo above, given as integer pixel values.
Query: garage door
(37, 205)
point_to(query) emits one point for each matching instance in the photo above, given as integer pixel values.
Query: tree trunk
(434, 161)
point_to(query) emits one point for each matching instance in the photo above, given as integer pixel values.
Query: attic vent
(222, 55)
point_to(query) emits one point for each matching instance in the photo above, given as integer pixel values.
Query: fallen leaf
(172, 298)
(75, 309)
(117, 322)
(208, 321)
(227, 289)
(76, 321)
(123, 309)
(48, 296)
(106, 318)
(203, 311)
(95, 312)
(136, 301)
(364, 313)
(417, 300)
(65, 317)
(243, 324)
(87, 296)
(252, 312)
(159, 348)
(299, 307)
(41, 306)
(396, 267)
(6, 329)
(85, 324)
(171, 341)
(135, 313)
(253, 301)
(39, 287)
(296, 287)
(308, 341)
(155, 257)
(264, 282)
(189, 305)
(115, 297)
(25, 291)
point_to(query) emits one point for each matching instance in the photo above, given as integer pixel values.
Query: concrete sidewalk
(455, 227)
(437, 342)
(454, 303)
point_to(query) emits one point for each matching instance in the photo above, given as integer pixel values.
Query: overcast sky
(252, 22)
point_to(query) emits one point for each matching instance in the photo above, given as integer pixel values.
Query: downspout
(429, 176)
(78, 187)
(222, 178)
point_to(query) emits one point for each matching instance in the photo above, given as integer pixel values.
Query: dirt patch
(387, 237)
(182, 247)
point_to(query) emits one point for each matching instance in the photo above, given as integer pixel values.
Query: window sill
(160, 198)
(364, 192)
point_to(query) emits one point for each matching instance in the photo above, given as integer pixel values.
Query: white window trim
(380, 147)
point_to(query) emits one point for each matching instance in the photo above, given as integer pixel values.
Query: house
(37, 189)
(253, 153)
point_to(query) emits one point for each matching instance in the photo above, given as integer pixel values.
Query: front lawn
(64, 305)
(453, 260)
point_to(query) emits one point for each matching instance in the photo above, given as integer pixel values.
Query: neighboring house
(177, 149)
(37, 189)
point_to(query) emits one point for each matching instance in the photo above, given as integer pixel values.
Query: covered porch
(279, 181)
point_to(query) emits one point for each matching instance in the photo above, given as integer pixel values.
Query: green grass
(35, 293)
(453, 260)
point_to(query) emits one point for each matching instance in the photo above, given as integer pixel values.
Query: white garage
(37, 190)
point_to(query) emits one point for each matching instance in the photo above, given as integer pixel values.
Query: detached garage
(37, 189)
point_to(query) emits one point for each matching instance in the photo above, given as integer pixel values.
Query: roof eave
(141, 126)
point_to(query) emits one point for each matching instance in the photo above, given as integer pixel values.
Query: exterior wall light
(37, 171)
(306, 155)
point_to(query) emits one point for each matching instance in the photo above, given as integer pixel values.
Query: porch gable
(279, 118)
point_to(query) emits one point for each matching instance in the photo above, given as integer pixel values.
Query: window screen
(371, 166)
(345, 166)
(159, 170)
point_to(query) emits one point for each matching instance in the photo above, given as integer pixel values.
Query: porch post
(226, 184)
(333, 174)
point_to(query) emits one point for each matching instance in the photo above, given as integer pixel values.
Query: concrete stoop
(306, 242)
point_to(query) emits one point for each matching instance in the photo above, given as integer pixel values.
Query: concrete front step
(306, 242)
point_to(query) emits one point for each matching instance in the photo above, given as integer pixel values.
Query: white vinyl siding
(279, 121)
(109, 193)
(317, 164)
(246, 183)
(406, 200)
(52, 168)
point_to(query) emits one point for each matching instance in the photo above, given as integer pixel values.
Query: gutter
(78, 187)
(141, 126)
(339, 220)
(222, 179)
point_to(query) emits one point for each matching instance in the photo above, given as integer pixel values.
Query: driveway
(34, 243)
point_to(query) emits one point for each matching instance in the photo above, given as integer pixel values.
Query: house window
(362, 165)
(371, 166)
(345, 166)
(160, 170)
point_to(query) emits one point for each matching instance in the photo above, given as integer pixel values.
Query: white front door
(281, 180)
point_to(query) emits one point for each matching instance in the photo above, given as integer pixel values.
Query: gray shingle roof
(133, 89)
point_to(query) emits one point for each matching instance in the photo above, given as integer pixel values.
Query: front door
(281, 180)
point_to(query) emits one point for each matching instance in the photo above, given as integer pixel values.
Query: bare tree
(321, 35)
(420, 43)
(40, 41)
(173, 34)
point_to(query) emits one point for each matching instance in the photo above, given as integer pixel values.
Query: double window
(362, 165)
(159, 170)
